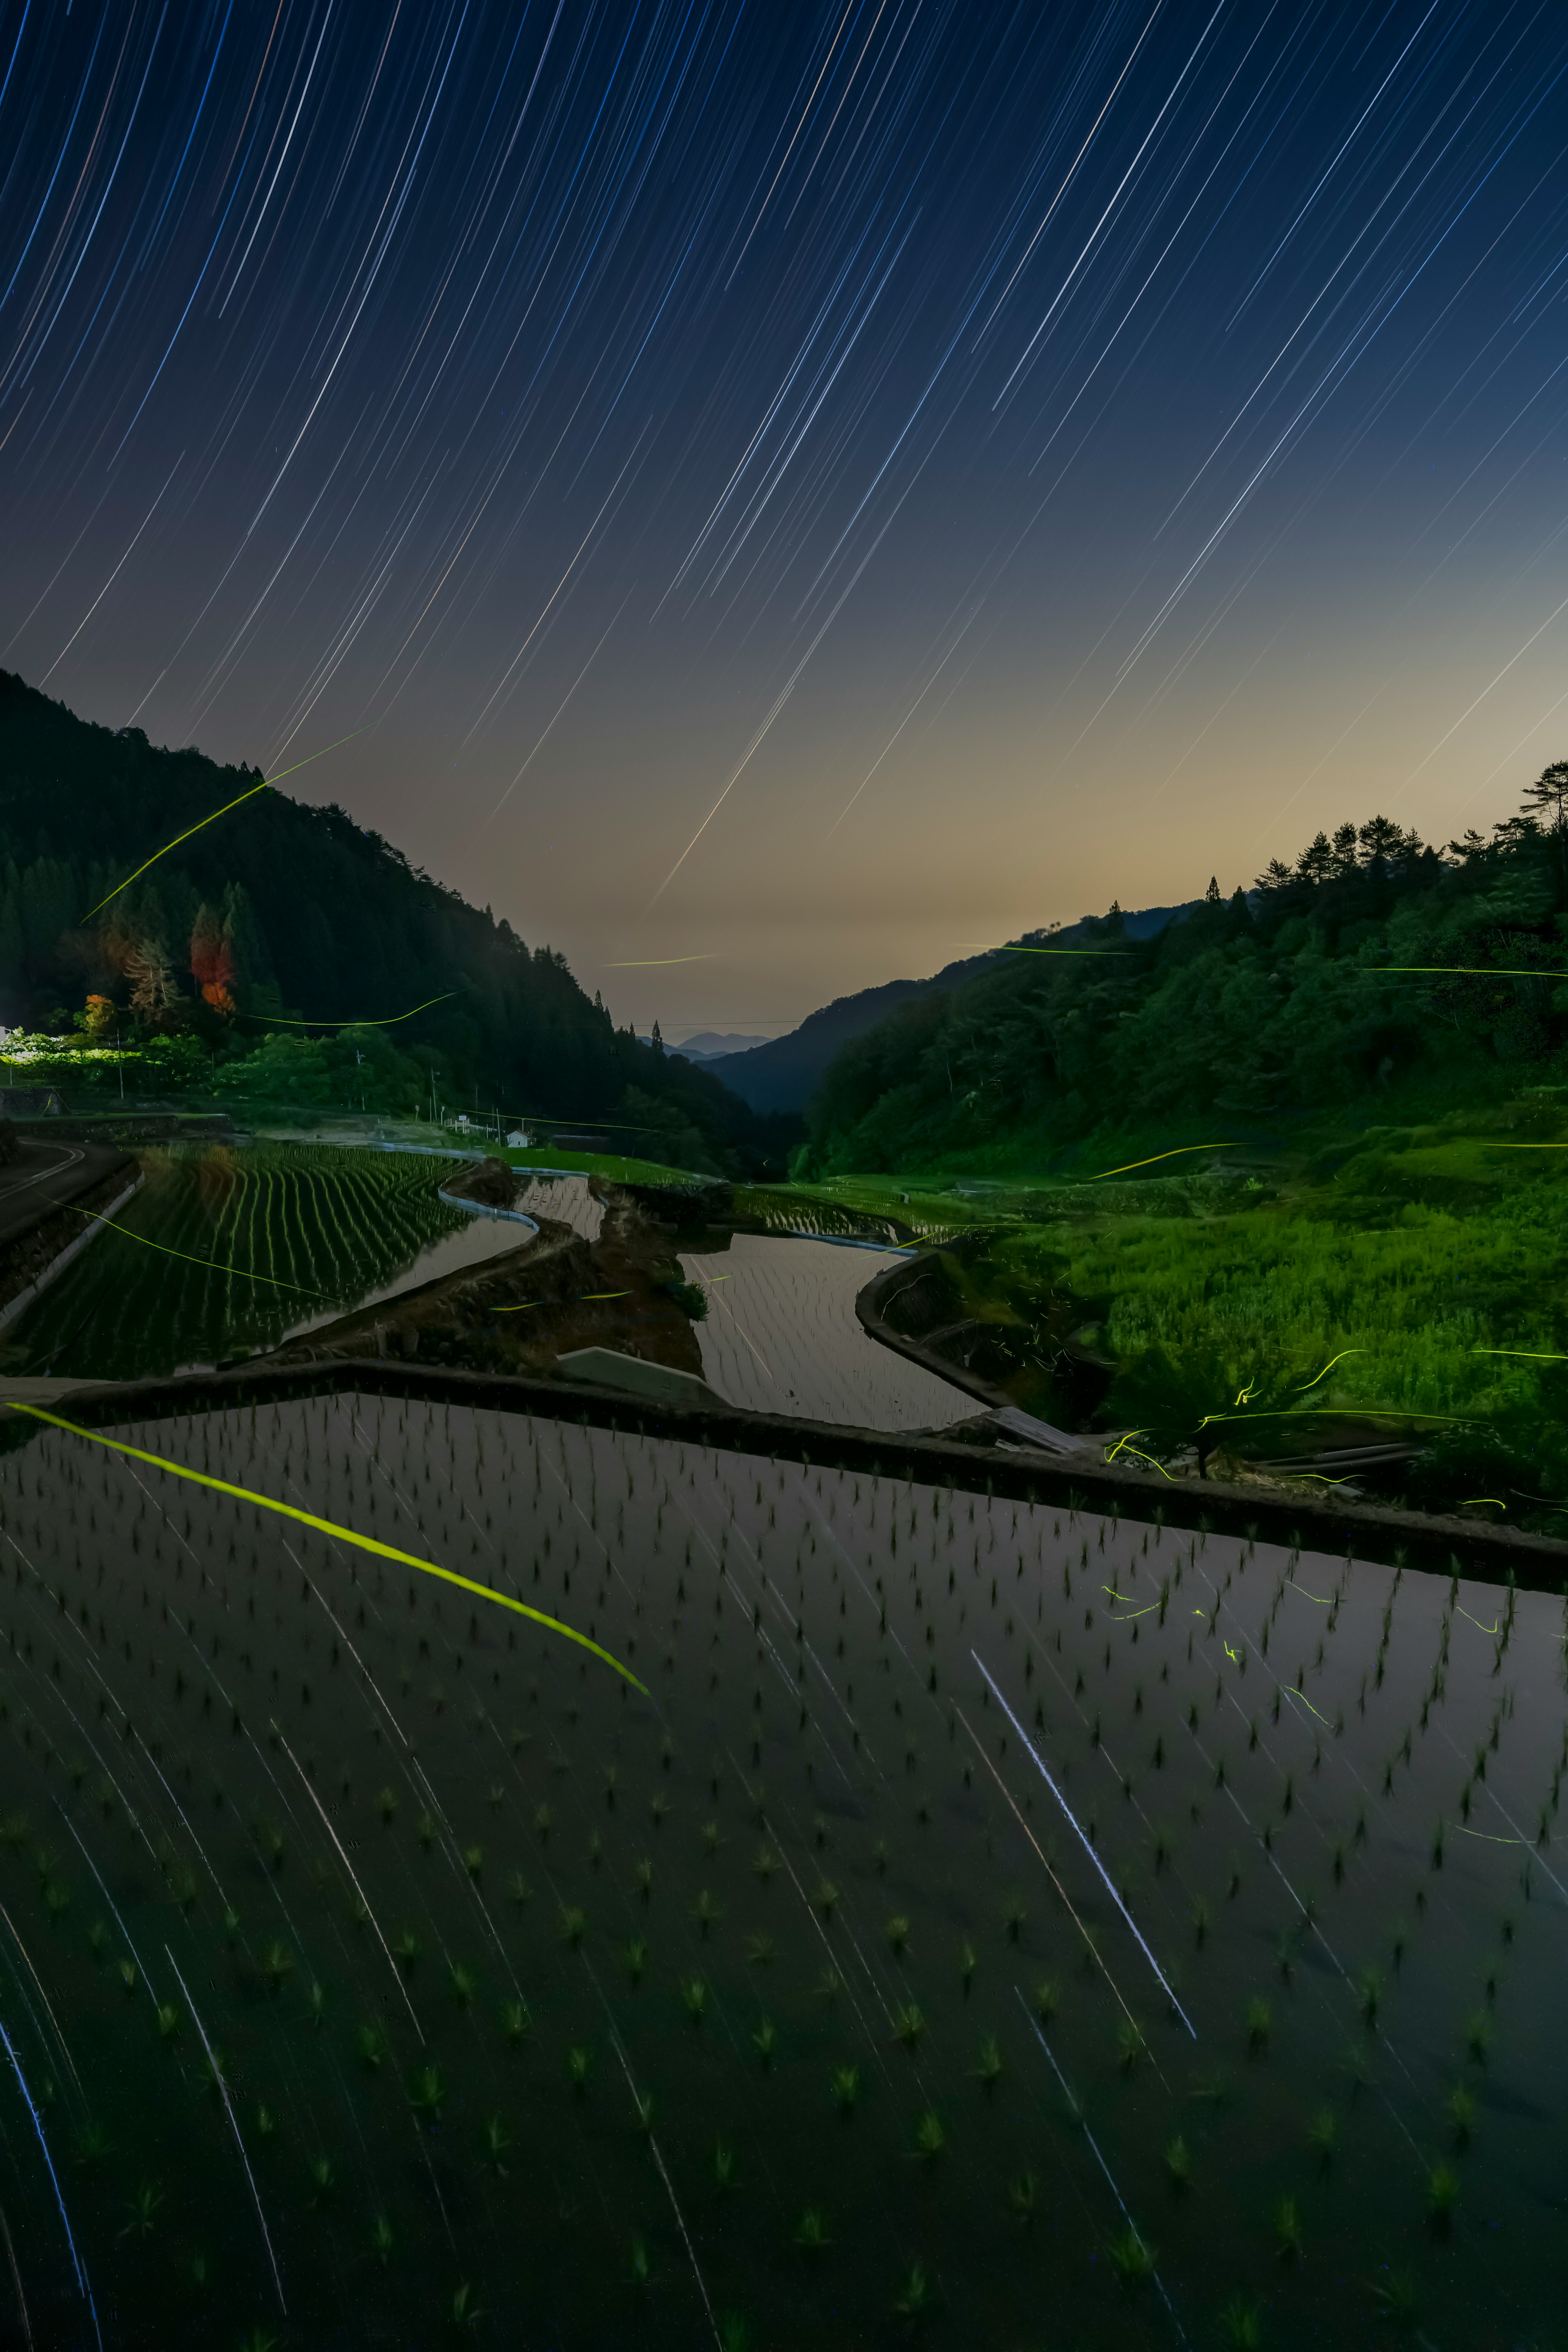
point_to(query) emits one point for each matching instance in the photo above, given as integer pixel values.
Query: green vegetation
(223, 1251)
(1283, 1004)
(1247, 1191)
(282, 917)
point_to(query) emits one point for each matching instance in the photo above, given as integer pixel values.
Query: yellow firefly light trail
(205, 821)
(1476, 971)
(212, 1264)
(341, 1535)
(280, 1020)
(1001, 947)
(1328, 1368)
(1179, 1151)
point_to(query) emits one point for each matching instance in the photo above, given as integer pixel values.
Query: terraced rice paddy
(225, 1252)
(781, 1336)
(994, 1922)
(565, 1198)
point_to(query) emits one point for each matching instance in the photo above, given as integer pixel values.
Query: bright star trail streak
(1002, 452)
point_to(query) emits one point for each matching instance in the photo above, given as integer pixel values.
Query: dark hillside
(1282, 1001)
(784, 1074)
(283, 910)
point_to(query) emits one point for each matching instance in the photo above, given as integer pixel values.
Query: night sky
(803, 489)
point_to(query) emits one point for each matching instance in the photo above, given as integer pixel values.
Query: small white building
(518, 1140)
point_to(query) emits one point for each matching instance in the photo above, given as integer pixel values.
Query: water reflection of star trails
(735, 1319)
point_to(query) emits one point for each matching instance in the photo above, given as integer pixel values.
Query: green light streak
(339, 1534)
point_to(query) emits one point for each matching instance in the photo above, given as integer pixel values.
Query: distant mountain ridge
(784, 1074)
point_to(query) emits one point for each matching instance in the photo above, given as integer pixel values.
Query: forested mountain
(784, 1074)
(282, 912)
(1282, 1000)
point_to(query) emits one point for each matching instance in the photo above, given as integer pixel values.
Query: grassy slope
(1224, 1285)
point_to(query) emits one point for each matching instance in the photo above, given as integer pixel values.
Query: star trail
(759, 487)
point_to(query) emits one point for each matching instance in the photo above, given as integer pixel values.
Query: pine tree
(1546, 799)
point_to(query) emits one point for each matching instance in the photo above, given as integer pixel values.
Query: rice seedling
(914, 2298)
(968, 1961)
(639, 2268)
(579, 2067)
(707, 1913)
(92, 2143)
(642, 1879)
(1395, 2298)
(825, 1898)
(846, 2087)
(145, 2206)
(572, 1925)
(316, 2002)
(1179, 2165)
(382, 2238)
(760, 1950)
(764, 1862)
(811, 2231)
(519, 1890)
(694, 1998)
(1047, 1999)
(1259, 2026)
(427, 2094)
(460, 1985)
(1131, 2046)
(1290, 2243)
(765, 2041)
(634, 1954)
(323, 2178)
(931, 2139)
(1241, 2323)
(497, 2144)
(1323, 2136)
(987, 2067)
(266, 2122)
(1023, 2196)
(1461, 2105)
(405, 1951)
(1442, 2195)
(725, 2173)
(1013, 1917)
(168, 2020)
(1131, 2257)
(1369, 1996)
(372, 2046)
(1478, 2036)
(474, 1862)
(909, 2024)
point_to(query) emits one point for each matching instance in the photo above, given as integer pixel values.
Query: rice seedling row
(316, 1225)
(993, 1921)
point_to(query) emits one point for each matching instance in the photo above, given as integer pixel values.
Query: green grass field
(1428, 1260)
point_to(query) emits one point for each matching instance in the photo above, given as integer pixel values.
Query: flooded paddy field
(993, 1923)
(781, 1335)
